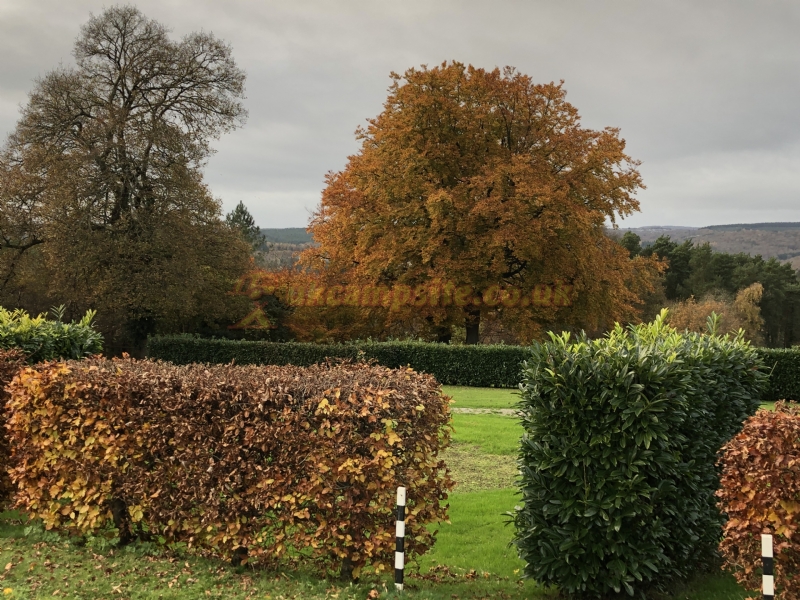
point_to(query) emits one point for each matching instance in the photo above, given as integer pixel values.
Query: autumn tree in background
(743, 312)
(102, 199)
(484, 179)
(700, 272)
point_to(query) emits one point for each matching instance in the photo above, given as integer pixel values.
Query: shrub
(784, 368)
(287, 462)
(43, 340)
(618, 456)
(11, 361)
(760, 493)
(25, 339)
(478, 365)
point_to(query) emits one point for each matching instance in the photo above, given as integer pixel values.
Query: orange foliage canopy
(483, 178)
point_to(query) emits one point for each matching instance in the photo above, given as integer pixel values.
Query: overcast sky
(706, 93)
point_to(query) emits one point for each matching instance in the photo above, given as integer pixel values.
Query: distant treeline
(288, 235)
(698, 271)
(738, 226)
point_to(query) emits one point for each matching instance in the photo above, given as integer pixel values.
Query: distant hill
(781, 240)
(759, 226)
(288, 235)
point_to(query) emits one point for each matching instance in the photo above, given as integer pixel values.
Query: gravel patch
(511, 412)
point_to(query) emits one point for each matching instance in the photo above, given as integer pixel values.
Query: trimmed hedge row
(266, 463)
(783, 366)
(618, 474)
(478, 366)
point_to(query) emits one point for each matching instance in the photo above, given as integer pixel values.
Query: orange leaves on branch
(281, 461)
(760, 493)
(482, 178)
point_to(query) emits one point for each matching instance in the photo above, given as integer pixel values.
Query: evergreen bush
(41, 339)
(618, 474)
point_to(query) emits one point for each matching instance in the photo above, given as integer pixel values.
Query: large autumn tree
(484, 179)
(102, 199)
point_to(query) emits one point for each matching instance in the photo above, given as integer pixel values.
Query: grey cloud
(705, 93)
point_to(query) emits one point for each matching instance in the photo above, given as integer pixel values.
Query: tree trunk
(473, 324)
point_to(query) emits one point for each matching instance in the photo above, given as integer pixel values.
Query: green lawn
(495, 434)
(46, 565)
(478, 538)
(466, 397)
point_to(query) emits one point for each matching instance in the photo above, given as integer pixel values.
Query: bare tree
(102, 178)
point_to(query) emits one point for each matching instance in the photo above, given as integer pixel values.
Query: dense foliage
(760, 492)
(40, 339)
(102, 198)
(783, 365)
(697, 271)
(477, 366)
(11, 361)
(618, 457)
(270, 463)
(25, 339)
(484, 179)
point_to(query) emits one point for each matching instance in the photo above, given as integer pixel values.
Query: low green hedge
(477, 366)
(618, 459)
(783, 366)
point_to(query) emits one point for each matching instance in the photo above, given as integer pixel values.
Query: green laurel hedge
(41, 339)
(618, 457)
(478, 366)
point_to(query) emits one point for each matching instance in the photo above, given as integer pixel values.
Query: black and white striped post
(400, 539)
(767, 564)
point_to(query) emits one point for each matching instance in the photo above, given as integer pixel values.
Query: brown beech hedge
(11, 361)
(263, 464)
(760, 492)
